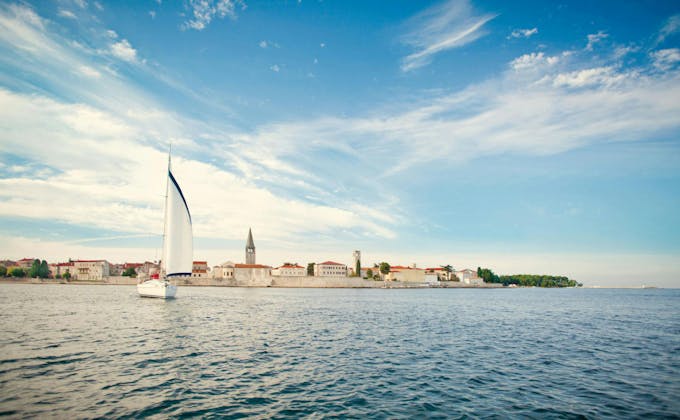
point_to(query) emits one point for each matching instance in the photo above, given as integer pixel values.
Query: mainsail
(178, 248)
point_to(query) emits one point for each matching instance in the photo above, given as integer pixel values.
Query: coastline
(283, 282)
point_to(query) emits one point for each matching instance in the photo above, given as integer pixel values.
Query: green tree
(384, 268)
(3, 271)
(44, 270)
(57, 276)
(357, 269)
(18, 272)
(35, 269)
(487, 275)
(310, 269)
(130, 272)
(538, 280)
(66, 276)
(369, 274)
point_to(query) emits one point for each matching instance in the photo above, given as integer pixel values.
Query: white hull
(156, 289)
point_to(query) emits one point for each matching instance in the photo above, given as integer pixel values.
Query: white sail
(178, 249)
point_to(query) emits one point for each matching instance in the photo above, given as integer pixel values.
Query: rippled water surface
(101, 351)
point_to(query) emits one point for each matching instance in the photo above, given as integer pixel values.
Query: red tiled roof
(26, 259)
(330, 263)
(200, 262)
(399, 267)
(89, 260)
(133, 265)
(251, 266)
(291, 266)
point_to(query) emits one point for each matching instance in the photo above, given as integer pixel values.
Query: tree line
(527, 280)
(38, 269)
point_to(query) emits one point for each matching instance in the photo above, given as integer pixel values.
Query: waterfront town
(250, 273)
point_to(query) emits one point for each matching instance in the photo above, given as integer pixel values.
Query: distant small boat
(177, 244)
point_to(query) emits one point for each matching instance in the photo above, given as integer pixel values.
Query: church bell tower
(250, 248)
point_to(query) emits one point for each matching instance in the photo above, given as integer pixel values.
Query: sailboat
(177, 244)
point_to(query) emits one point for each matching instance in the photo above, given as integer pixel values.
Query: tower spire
(250, 248)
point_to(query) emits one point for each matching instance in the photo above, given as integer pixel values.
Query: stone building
(330, 269)
(59, 269)
(223, 271)
(292, 270)
(199, 269)
(406, 274)
(90, 270)
(252, 273)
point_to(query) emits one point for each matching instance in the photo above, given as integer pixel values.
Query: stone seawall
(343, 282)
(266, 281)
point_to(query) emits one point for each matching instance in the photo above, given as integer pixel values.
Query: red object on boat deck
(155, 276)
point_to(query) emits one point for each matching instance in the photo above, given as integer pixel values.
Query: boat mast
(165, 217)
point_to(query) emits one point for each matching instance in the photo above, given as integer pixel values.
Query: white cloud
(89, 72)
(665, 59)
(534, 60)
(542, 105)
(98, 156)
(204, 11)
(523, 33)
(275, 68)
(124, 51)
(604, 76)
(152, 14)
(104, 145)
(322, 45)
(672, 26)
(111, 34)
(449, 25)
(67, 14)
(594, 39)
(622, 51)
(267, 44)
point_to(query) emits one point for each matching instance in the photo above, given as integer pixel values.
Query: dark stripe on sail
(177, 274)
(172, 178)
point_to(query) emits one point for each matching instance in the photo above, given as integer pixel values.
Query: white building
(468, 276)
(431, 278)
(330, 269)
(292, 270)
(90, 270)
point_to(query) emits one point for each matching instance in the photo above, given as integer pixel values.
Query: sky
(526, 137)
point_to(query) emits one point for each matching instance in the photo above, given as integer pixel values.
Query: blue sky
(526, 136)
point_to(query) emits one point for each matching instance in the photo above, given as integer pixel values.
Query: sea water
(101, 351)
